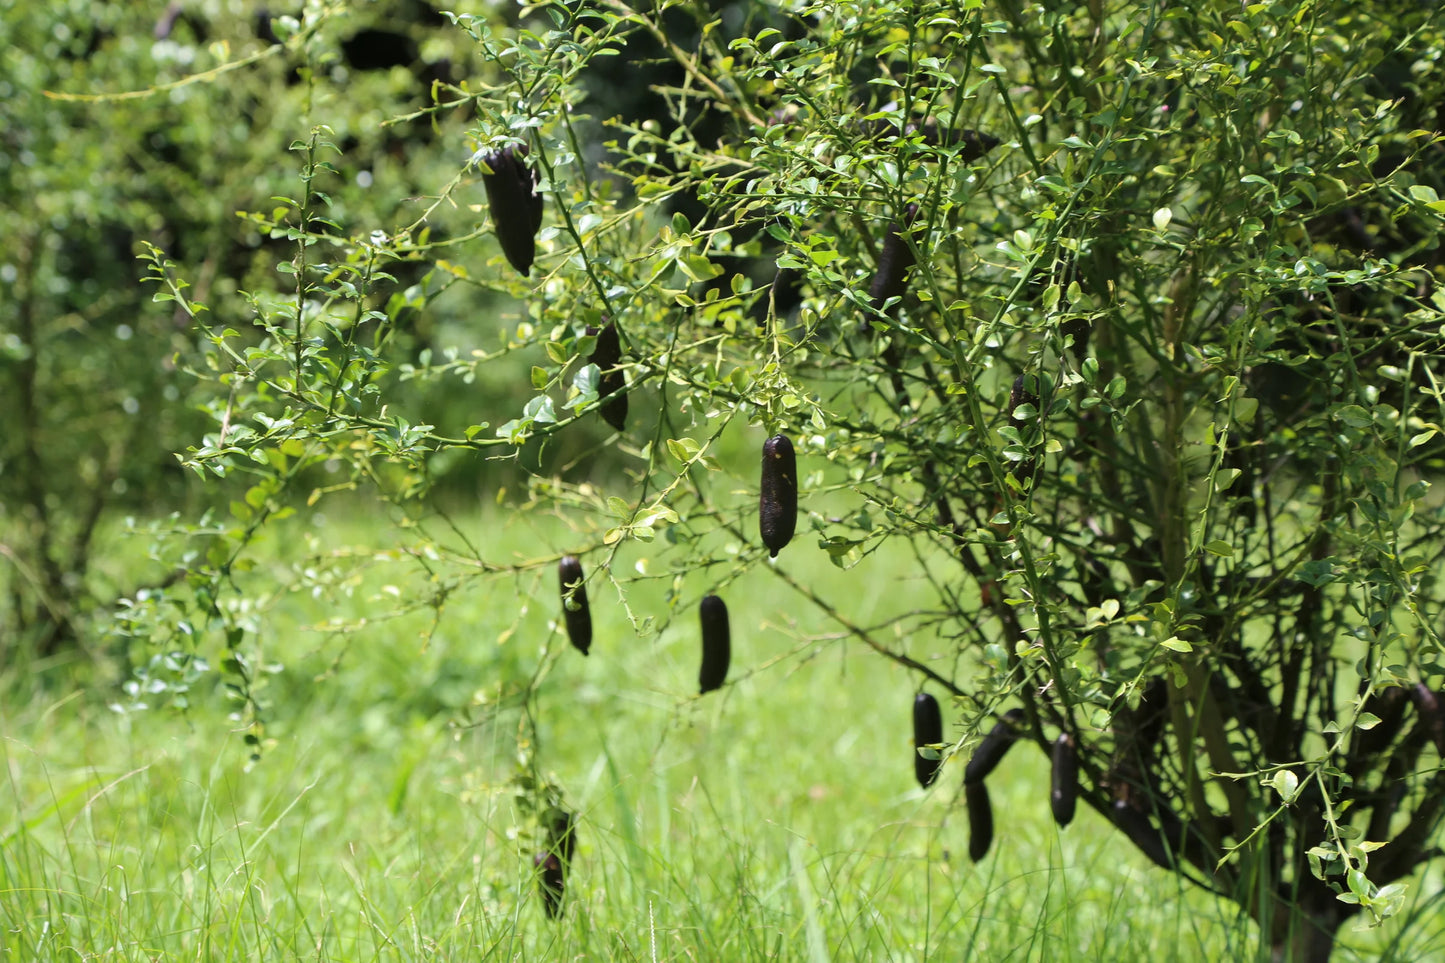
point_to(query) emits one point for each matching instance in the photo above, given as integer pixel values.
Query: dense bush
(1133, 313)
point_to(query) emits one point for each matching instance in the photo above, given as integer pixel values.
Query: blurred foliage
(131, 124)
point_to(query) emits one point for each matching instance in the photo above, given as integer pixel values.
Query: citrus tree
(1130, 315)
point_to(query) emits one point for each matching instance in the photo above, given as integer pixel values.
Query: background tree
(131, 123)
(1130, 316)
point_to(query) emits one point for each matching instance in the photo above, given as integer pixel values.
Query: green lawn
(775, 819)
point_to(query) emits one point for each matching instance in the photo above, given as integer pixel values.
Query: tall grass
(775, 819)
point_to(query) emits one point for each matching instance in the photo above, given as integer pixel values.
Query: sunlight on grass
(775, 819)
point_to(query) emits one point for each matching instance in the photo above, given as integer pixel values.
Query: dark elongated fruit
(778, 494)
(991, 751)
(1152, 715)
(515, 204)
(1427, 704)
(716, 643)
(1141, 833)
(927, 730)
(168, 19)
(777, 300)
(786, 289)
(974, 143)
(895, 260)
(980, 819)
(561, 834)
(607, 356)
(551, 882)
(1139, 730)
(575, 610)
(1064, 780)
(1385, 809)
(1020, 395)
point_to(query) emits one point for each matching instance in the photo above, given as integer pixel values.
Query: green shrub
(1132, 313)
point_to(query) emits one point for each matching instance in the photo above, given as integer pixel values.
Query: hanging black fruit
(716, 643)
(1151, 716)
(927, 730)
(1142, 833)
(975, 143)
(551, 882)
(1064, 780)
(895, 260)
(990, 751)
(1021, 394)
(561, 834)
(611, 385)
(778, 494)
(980, 819)
(1427, 704)
(575, 611)
(515, 204)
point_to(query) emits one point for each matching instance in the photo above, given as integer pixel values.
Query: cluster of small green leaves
(1161, 375)
(1192, 245)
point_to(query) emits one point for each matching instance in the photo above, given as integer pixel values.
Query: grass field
(775, 819)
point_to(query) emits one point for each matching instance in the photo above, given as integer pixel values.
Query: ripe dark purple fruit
(927, 730)
(1427, 704)
(975, 143)
(778, 494)
(1151, 716)
(716, 643)
(575, 610)
(1142, 833)
(515, 203)
(991, 751)
(561, 834)
(980, 819)
(895, 260)
(1064, 780)
(551, 882)
(611, 385)
(1021, 394)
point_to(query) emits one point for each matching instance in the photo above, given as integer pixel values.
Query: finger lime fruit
(1141, 833)
(980, 819)
(1064, 780)
(778, 494)
(1427, 704)
(575, 611)
(927, 731)
(1022, 394)
(991, 750)
(551, 882)
(716, 643)
(515, 203)
(611, 385)
(561, 829)
(890, 278)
